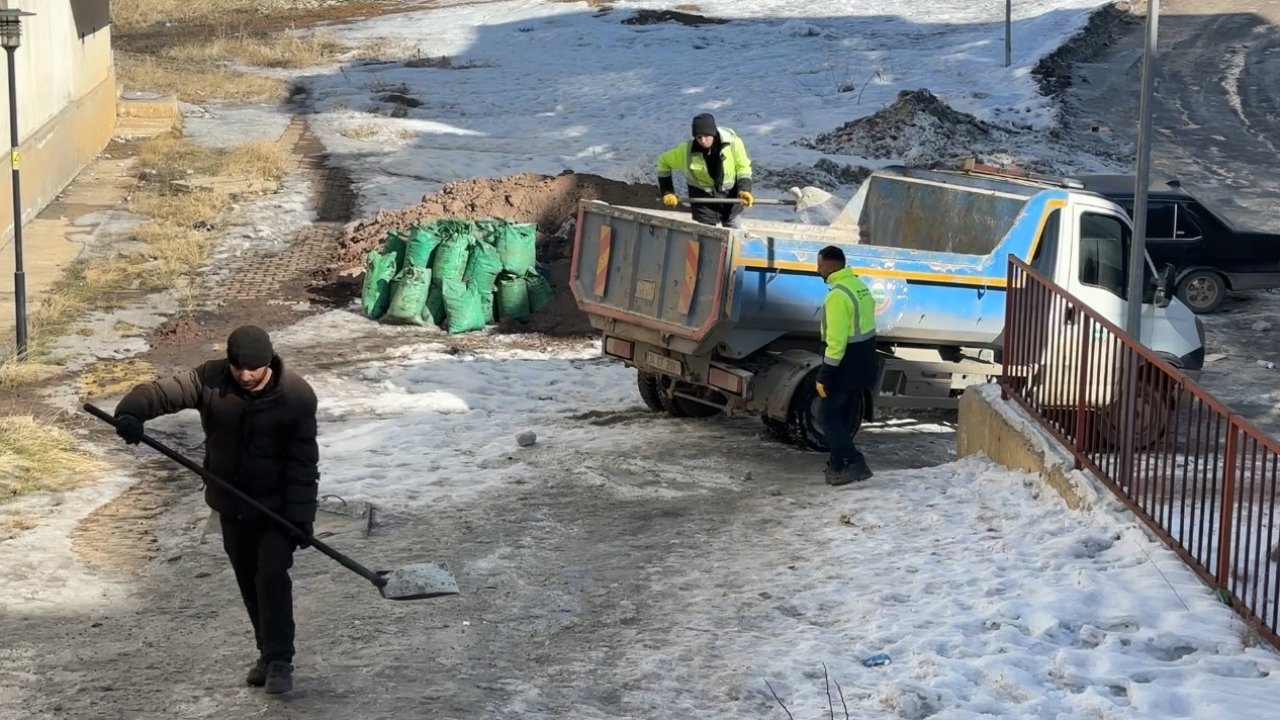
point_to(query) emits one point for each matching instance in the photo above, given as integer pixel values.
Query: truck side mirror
(1164, 286)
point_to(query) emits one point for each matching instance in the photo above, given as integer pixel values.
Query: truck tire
(650, 393)
(778, 429)
(1203, 291)
(802, 417)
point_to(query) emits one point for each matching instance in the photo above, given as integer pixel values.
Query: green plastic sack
(433, 311)
(450, 261)
(487, 305)
(517, 246)
(422, 243)
(395, 244)
(540, 291)
(375, 296)
(513, 297)
(409, 296)
(462, 307)
(483, 266)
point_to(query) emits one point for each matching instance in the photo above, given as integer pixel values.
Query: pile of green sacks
(457, 274)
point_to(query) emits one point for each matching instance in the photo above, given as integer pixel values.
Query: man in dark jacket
(715, 165)
(259, 421)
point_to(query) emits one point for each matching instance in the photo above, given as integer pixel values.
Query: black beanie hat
(249, 347)
(704, 124)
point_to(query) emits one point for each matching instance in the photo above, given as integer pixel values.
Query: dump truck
(718, 319)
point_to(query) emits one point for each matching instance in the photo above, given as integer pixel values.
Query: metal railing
(1202, 477)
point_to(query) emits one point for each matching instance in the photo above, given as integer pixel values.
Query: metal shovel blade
(418, 582)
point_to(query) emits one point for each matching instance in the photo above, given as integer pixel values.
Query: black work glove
(129, 428)
(306, 528)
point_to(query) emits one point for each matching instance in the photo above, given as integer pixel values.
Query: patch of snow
(226, 126)
(41, 573)
(544, 87)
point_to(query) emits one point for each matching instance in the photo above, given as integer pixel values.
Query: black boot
(279, 677)
(257, 676)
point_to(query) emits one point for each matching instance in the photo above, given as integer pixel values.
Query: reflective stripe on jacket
(848, 314)
(683, 157)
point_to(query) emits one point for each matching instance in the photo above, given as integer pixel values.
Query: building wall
(66, 98)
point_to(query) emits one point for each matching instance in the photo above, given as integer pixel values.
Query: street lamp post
(10, 39)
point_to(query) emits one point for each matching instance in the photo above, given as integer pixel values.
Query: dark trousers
(261, 555)
(714, 214)
(857, 372)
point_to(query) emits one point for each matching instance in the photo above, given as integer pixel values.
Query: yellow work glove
(670, 200)
(822, 390)
(747, 198)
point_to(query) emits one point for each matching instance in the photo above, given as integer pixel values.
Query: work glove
(129, 428)
(307, 528)
(670, 200)
(822, 390)
(747, 198)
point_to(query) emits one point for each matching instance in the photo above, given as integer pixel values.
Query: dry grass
(36, 455)
(272, 50)
(18, 523)
(174, 247)
(195, 83)
(128, 15)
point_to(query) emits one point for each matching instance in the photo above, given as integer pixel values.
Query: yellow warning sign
(15, 158)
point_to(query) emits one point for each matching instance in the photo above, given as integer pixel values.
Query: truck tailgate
(644, 268)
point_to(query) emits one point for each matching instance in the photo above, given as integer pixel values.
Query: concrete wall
(66, 98)
(1008, 435)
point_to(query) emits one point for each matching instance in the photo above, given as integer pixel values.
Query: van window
(1045, 259)
(1104, 253)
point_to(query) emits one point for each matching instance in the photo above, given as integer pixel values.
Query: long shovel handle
(173, 455)
(734, 201)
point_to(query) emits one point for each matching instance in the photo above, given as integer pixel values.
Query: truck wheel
(1152, 422)
(650, 393)
(802, 419)
(778, 429)
(1202, 291)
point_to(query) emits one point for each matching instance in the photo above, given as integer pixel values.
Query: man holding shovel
(259, 422)
(716, 165)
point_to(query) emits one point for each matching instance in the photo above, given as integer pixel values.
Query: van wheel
(802, 418)
(650, 393)
(1203, 291)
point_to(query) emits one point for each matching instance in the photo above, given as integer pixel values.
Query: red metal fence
(1202, 477)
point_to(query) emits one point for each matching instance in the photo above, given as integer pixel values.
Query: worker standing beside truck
(848, 363)
(716, 165)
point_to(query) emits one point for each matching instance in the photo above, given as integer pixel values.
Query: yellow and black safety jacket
(848, 315)
(689, 159)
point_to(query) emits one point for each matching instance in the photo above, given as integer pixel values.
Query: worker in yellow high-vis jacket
(848, 364)
(716, 165)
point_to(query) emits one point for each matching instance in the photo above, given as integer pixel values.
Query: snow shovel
(411, 582)
(734, 201)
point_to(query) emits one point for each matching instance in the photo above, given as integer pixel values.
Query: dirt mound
(917, 129)
(549, 201)
(1055, 72)
(653, 17)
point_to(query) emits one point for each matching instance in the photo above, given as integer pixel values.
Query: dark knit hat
(249, 347)
(704, 124)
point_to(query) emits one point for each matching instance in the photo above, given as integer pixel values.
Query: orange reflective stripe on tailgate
(602, 262)
(690, 276)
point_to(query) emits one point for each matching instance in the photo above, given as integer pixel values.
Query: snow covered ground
(629, 565)
(535, 86)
